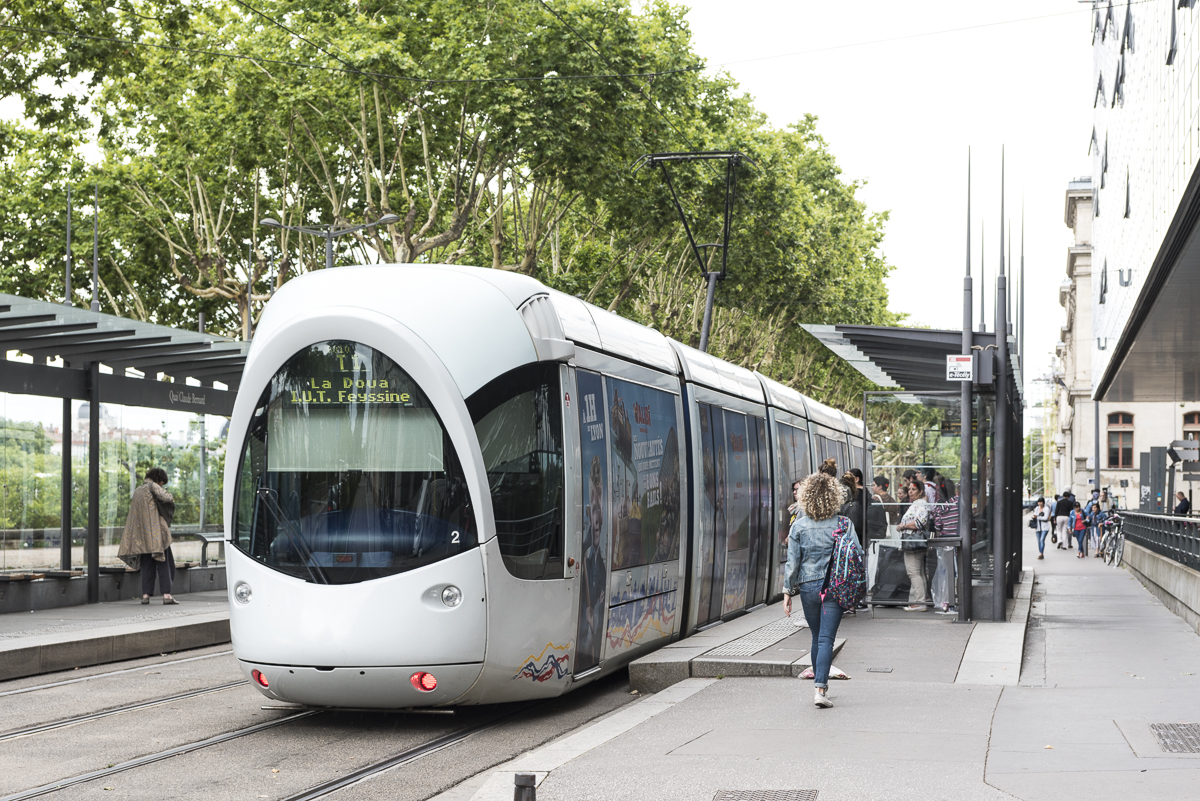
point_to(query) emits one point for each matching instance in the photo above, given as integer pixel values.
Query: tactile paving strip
(757, 640)
(1177, 738)
(765, 795)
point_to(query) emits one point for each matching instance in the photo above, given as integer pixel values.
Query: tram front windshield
(347, 473)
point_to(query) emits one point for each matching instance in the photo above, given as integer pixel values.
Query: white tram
(453, 485)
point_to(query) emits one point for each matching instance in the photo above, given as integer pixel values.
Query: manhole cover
(766, 795)
(757, 640)
(1177, 738)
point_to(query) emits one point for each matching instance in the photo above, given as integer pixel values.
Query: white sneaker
(821, 700)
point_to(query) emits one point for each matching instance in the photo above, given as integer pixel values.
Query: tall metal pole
(1000, 462)
(329, 248)
(1096, 453)
(64, 556)
(708, 308)
(96, 249)
(964, 452)
(93, 516)
(982, 276)
(1021, 303)
(67, 282)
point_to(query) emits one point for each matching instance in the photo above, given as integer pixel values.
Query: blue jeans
(1041, 535)
(823, 620)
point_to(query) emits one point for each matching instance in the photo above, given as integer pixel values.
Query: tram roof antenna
(732, 159)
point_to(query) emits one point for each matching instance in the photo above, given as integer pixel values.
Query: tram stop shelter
(916, 422)
(58, 351)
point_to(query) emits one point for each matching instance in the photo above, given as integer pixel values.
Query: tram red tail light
(260, 678)
(425, 682)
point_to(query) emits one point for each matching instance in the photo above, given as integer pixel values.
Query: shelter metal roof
(913, 359)
(165, 356)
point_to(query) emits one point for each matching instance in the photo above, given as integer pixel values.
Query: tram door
(645, 507)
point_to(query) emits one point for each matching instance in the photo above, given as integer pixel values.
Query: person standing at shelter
(810, 548)
(914, 531)
(146, 541)
(889, 503)
(1041, 519)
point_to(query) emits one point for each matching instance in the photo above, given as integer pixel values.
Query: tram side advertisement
(644, 454)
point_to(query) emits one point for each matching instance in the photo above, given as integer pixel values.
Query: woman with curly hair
(810, 546)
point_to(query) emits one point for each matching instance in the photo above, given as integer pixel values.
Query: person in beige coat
(146, 541)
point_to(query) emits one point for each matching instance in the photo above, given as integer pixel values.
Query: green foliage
(525, 175)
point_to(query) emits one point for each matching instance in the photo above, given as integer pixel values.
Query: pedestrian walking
(810, 548)
(1078, 525)
(1184, 506)
(1041, 519)
(146, 541)
(1062, 520)
(914, 531)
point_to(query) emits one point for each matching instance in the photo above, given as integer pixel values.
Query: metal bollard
(525, 788)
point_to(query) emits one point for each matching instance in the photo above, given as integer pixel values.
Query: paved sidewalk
(1103, 660)
(76, 636)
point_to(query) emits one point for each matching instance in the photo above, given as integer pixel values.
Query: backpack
(846, 576)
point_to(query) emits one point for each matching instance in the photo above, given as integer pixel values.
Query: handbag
(1033, 522)
(917, 540)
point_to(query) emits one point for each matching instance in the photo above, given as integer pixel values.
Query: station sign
(960, 368)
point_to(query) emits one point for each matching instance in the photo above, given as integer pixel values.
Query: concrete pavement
(1101, 662)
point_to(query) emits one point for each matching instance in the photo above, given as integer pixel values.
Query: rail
(1175, 537)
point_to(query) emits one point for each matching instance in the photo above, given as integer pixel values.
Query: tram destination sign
(960, 368)
(342, 377)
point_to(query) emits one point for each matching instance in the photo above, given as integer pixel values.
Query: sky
(901, 91)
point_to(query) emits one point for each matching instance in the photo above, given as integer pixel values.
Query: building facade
(1127, 428)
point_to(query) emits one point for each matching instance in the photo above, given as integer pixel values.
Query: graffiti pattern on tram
(640, 621)
(551, 663)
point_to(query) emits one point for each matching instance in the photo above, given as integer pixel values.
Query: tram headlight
(242, 592)
(452, 596)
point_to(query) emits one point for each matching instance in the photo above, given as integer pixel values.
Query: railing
(1175, 537)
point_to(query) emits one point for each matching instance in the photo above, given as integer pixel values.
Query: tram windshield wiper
(267, 496)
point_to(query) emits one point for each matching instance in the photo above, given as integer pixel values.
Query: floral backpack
(846, 576)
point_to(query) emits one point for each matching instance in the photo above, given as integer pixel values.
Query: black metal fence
(1172, 536)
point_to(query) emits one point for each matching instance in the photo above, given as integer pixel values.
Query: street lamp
(329, 233)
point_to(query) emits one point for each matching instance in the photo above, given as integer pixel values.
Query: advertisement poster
(645, 474)
(593, 570)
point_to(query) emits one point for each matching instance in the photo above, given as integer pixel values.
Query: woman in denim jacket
(810, 545)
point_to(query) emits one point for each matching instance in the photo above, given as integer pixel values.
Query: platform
(76, 636)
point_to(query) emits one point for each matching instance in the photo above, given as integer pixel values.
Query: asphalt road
(272, 763)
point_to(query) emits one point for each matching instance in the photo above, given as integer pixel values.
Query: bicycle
(1112, 546)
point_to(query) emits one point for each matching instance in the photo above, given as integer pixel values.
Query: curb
(32, 656)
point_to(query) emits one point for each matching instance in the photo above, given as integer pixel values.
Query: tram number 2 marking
(454, 537)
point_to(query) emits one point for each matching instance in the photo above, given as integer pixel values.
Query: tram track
(62, 724)
(159, 756)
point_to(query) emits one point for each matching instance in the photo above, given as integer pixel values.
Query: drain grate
(757, 640)
(1177, 738)
(766, 795)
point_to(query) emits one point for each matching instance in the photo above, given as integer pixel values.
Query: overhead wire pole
(1000, 462)
(964, 452)
(732, 159)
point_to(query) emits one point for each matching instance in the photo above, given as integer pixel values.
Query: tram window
(347, 474)
(644, 459)
(791, 465)
(518, 419)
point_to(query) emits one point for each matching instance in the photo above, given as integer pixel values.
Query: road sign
(960, 368)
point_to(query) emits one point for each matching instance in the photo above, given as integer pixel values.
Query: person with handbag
(914, 531)
(1040, 523)
(811, 543)
(146, 540)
